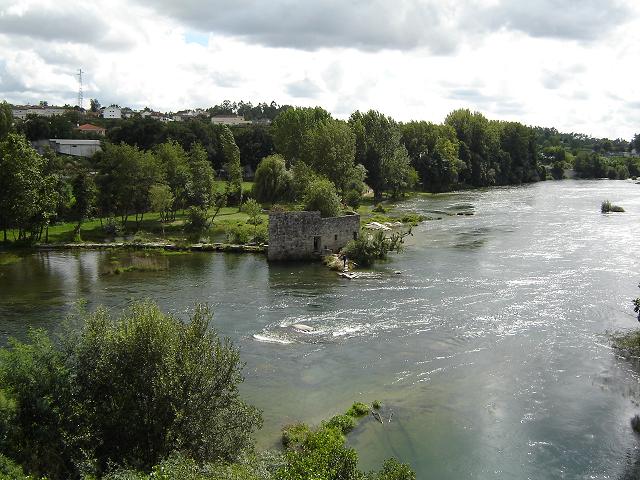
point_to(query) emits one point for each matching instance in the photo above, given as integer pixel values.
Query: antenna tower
(80, 98)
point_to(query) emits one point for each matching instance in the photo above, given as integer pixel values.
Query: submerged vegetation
(607, 207)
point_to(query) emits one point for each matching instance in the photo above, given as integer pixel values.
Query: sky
(569, 64)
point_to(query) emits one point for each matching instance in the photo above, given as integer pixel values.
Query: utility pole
(80, 98)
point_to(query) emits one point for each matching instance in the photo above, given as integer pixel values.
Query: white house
(23, 111)
(229, 120)
(112, 112)
(75, 148)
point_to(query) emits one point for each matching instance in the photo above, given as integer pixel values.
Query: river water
(489, 350)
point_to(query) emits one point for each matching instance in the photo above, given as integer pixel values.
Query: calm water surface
(490, 348)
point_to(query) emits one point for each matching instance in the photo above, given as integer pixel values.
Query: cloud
(369, 25)
(305, 88)
(62, 22)
(581, 20)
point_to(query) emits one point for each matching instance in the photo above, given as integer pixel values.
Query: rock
(397, 272)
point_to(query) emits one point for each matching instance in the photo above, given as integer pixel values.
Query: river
(490, 348)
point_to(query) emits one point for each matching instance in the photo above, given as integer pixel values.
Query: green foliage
(293, 435)
(329, 150)
(161, 200)
(353, 198)
(37, 409)
(393, 470)
(344, 423)
(174, 161)
(607, 207)
(557, 170)
(125, 176)
(322, 455)
(197, 220)
(9, 470)
(23, 191)
(6, 119)
(271, 181)
(169, 385)
(290, 127)
(358, 409)
(379, 150)
(200, 191)
(370, 247)
(232, 165)
(379, 208)
(321, 196)
(253, 210)
(238, 234)
(376, 404)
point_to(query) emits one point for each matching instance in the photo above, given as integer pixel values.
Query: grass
(150, 229)
(138, 262)
(628, 343)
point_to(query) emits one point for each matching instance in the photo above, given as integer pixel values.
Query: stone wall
(303, 235)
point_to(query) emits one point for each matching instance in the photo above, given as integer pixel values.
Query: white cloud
(418, 61)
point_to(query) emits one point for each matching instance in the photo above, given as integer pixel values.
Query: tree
(202, 178)
(177, 174)
(271, 180)
(433, 150)
(161, 200)
(289, 129)
(329, 149)
(95, 105)
(635, 143)
(232, 165)
(253, 210)
(123, 391)
(125, 176)
(379, 150)
(6, 119)
(84, 194)
(21, 186)
(321, 196)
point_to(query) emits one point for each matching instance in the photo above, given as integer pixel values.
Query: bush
(321, 196)
(197, 220)
(169, 385)
(369, 247)
(353, 198)
(607, 207)
(358, 409)
(344, 423)
(379, 208)
(238, 234)
(293, 435)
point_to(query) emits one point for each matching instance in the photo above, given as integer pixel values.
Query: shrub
(376, 405)
(293, 435)
(369, 247)
(197, 220)
(358, 409)
(344, 423)
(607, 207)
(393, 470)
(379, 208)
(353, 198)
(169, 385)
(321, 196)
(238, 234)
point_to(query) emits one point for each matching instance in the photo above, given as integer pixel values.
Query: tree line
(121, 182)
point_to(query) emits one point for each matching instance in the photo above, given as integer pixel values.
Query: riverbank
(174, 247)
